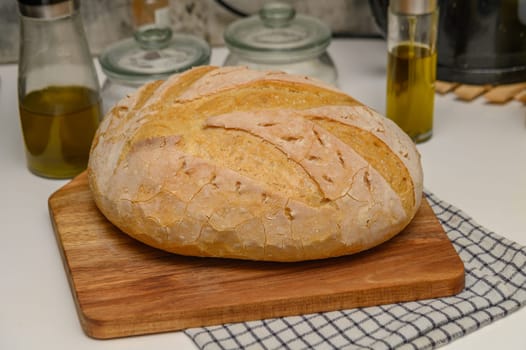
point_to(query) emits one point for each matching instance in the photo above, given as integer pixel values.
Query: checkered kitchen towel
(495, 287)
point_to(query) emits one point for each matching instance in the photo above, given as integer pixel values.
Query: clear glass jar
(279, 39)
(411, 67)
(58, 90)
(154, 53)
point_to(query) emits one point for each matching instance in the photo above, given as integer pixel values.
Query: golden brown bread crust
(230, 162)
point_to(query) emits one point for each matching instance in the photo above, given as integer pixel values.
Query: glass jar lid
(153, 53)
(277, 34)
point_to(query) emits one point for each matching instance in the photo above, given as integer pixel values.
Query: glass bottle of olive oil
(411, 66)
(58, 90)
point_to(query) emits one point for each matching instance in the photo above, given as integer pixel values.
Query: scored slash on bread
(231, 162)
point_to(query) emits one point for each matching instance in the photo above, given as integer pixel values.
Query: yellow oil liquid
(411, 74)
(58, 125)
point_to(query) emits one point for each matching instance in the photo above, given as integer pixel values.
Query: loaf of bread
(236, 163)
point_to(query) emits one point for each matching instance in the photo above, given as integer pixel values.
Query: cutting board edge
(85, 324)
(118, 328)
(450, 284)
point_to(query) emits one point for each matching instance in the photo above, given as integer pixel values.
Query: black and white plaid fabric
(495, 287)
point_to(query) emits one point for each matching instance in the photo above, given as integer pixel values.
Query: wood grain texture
(122, 287)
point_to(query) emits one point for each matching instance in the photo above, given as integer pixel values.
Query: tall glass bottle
(411, 67)
(58, 90)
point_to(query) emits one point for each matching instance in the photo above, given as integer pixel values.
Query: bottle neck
(48, 10)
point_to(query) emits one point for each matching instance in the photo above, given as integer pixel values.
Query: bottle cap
(47, 9)
(413, 7)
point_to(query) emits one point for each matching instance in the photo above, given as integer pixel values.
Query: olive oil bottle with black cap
(411, 67)
(58, 89)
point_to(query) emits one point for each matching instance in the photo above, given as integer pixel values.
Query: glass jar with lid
(279, 39)
(153, 53)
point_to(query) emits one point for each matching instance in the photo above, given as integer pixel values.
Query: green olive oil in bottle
(58, 124)
(411, 67)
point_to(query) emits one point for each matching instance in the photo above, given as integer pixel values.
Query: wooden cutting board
(122, 287)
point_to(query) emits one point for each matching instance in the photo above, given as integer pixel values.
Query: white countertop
(476, 160)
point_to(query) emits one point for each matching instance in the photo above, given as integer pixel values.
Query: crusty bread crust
(235, 163)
